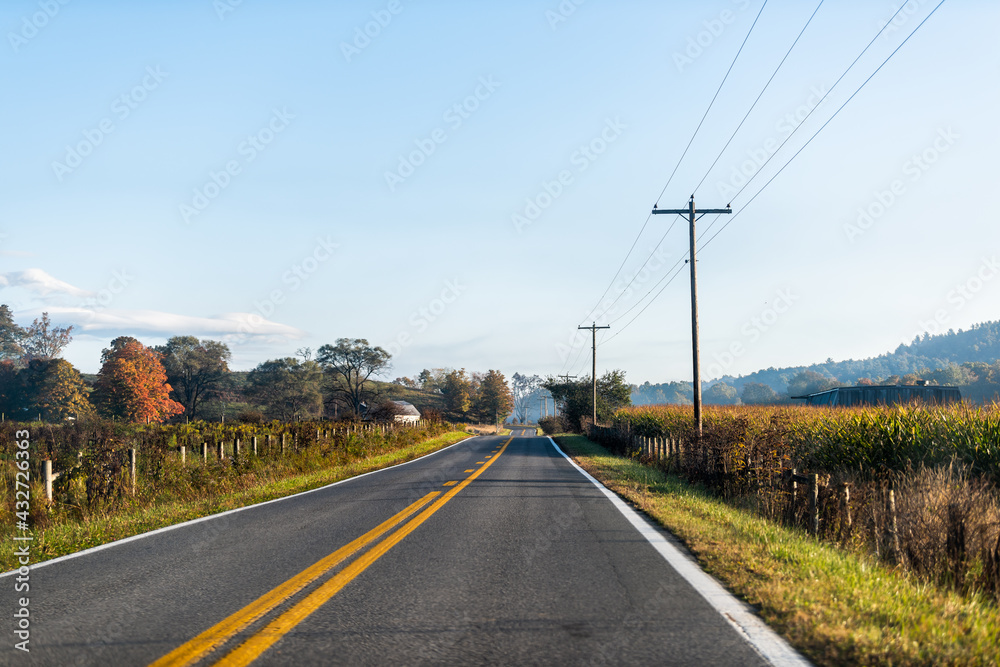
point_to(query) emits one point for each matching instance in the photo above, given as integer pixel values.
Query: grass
(835, 607)
(75, 535)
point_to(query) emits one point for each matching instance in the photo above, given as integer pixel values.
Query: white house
(407, 413)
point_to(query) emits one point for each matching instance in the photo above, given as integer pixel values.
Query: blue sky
(461, 184)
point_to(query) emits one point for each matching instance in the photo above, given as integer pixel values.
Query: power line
(827, 94)
(679, 161)
(629, 284)
(710, 104)
(761, 94)
(777, 173)
(743, 208)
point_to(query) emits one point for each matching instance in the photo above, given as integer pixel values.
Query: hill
(977, 345)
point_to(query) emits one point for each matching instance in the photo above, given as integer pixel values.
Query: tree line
(188, 378)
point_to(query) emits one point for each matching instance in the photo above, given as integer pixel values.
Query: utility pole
(566, 377)
(693, 216)
(593, 376)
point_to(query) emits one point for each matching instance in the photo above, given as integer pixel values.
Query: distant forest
(967, 359)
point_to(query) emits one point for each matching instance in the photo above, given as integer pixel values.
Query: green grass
(75, 535)
(835, 607)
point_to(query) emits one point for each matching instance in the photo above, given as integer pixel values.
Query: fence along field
(913, 485)
(100, 467)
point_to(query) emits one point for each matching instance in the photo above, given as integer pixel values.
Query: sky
(459, 182)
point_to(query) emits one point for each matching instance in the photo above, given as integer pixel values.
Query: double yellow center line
(220, 633)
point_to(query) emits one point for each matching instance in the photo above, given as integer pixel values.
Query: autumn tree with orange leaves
(132, 384)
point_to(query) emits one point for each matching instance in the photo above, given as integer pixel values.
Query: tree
(196, 370)
(494, 399)
(349, 365)
(43, 341)
(55, 390)
(758, 393)
(523, 387)
(11, 336)
(575, 399)
(810, 382)
(288, 388)
(132, 384)
(721, 393)
(458, 392)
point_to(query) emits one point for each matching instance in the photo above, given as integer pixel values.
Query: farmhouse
(408, 414)
(884, 395)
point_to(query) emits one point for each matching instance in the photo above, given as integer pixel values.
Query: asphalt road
(520, 560)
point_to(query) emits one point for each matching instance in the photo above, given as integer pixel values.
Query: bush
(250, 417)
(552, 425)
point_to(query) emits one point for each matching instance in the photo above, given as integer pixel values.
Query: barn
(884, 395)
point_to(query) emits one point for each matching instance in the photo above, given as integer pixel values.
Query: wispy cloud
(121, 321)
(41, 283)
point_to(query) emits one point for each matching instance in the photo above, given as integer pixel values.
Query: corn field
(913, 485)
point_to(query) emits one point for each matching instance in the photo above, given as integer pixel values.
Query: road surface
(494, 551)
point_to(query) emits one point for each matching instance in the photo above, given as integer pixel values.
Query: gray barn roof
(883, 395)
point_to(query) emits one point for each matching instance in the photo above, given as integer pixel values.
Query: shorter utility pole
(566, 377)
(593, 330)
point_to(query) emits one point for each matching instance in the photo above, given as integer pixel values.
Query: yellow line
(470, 470)
(279, 627)
(479, 463)
(449, 484)
(197, 648)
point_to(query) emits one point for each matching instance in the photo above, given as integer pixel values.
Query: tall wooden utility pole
(693, 216)
(593, 375)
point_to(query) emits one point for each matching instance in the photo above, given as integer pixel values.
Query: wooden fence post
(845, 510)
(814, 502)
(204, 452)
(253, 440)
(236, 448)
(894, 553)
(792, 489)
(222, 449)
(131, 462)
(183, 455)
(49, 477)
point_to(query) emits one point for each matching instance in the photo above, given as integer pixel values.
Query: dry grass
(836, 607)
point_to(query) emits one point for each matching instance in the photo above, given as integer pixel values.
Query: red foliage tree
(132, 384)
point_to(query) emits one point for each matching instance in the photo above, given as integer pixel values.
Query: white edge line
(165, 529)
(771, 646)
